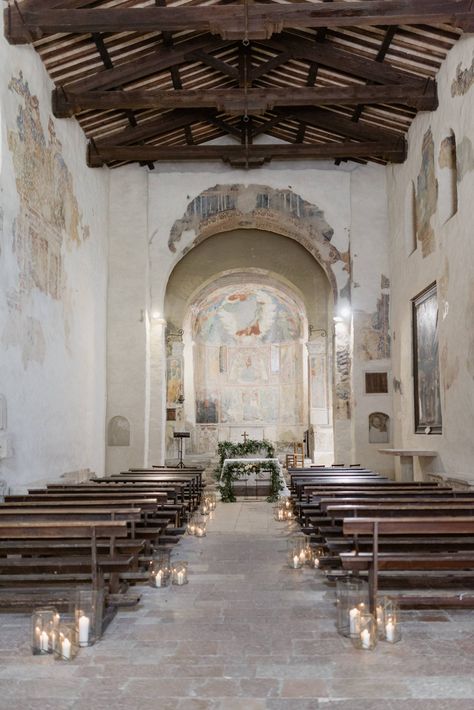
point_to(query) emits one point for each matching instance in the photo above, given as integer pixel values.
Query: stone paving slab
(247, 633)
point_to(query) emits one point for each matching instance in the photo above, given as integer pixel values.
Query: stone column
(319, 400)
(175, 392)
(343, 434)
(156, 424)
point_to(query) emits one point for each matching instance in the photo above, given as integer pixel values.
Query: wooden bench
(376, 561)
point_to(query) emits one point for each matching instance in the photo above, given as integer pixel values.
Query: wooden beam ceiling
(334, 80)
(236, 101)
(394, 152)
(237, 21)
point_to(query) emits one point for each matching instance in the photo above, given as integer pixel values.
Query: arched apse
(224, 275)
(224, 208)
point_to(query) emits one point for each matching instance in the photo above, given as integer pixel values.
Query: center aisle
(246, 633)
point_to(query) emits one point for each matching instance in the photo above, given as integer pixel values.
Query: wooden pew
(26, 569)
(375, 561)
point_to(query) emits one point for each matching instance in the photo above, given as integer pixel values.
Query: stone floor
(246, 633)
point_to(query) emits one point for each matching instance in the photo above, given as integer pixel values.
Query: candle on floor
(354, 620)
(66, 649)
(390, 631)
(159, 578)
(365, 638)
(296, 562)
(84, 623)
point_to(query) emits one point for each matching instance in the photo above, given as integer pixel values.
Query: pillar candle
(66, 649)
(390, 631)
(84, 624)
(354, 619)
(365, 638)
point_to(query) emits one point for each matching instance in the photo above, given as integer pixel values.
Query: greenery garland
(228, 450)
(236, 470)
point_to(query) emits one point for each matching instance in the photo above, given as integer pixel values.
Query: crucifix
(245, 435)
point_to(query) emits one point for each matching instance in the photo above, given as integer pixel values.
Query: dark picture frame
(426, 371)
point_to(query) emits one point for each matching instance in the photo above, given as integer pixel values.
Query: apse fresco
(248, 359)
(246, 315)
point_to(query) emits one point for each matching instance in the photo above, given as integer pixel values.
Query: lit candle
(296, 562)
(66, 649)
(159, 578)
(180, 577)
(289, 514)
(354, 619)
(390, 631)
(379, 616)
(365, 638)
(281, 514)
(44, 641)
(84, 624)
(199, 531)
(302, 557)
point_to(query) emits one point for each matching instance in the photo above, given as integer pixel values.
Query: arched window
(447, 179)
(410, 218)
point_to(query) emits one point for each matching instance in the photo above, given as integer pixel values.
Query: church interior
(237, 350)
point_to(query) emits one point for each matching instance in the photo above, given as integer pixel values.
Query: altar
(252, 477)
(245, 470)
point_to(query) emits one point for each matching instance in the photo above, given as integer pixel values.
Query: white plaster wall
(451, 264)
(170, 190)
(55, 385)
(370, 262)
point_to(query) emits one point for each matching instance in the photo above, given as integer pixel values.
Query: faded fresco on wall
(426, 196)
(465, 158)
(174, 377)
(225, 207)
(261, 331)
(206, 408)
(246, 315)
(373, 331)
(49, 218)
(379, 428)
(428, 418)
(463, 80)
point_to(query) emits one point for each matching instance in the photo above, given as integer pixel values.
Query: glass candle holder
(44, 630)
(296, 549)
(88, 616)
(366, 638)
(318, 553)
(191, 524)
(289, 515)
(279, 513)
(200, 530)
(67, 645)
(179, 573)
(391, 621)
(159, 573)
(352, 600)
(205, 507)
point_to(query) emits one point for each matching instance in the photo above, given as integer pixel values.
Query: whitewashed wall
(353, 201)
(445, 255)
(53, 277)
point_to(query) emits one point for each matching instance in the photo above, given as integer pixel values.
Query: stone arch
(118, 432)
(223, 208)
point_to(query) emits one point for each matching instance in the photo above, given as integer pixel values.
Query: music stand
(180, 435)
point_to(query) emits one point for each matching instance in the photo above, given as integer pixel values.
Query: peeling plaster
(447, 153)
(449, 368)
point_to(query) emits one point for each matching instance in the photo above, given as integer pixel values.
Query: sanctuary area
(237, 354)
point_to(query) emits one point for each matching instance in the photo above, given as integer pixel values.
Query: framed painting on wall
(427, 399)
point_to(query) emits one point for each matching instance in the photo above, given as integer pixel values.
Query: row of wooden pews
(416, 536)
(100, 534)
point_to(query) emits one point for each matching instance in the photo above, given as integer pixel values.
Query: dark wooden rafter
(177, 90)
(244, 101)
(254, 21)
(247, 155)
(108, 64)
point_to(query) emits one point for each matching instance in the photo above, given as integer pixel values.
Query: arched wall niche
(296, 279)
